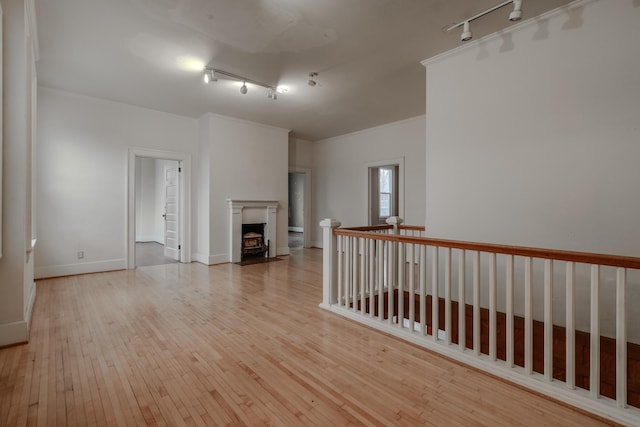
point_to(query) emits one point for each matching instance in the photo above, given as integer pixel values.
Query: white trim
(316, 244)
(511, 29)
(306, 222)
(579, 398)
(389, 162)
(184, 160)
(29, 308)
(14, 333)
(201, 258)
(80, 268)
(296, 229)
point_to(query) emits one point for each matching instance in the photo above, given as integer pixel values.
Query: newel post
(329, 261)
(395, 221)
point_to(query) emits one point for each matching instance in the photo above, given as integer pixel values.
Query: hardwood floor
(230, 345)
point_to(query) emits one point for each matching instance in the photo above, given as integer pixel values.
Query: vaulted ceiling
(367, 54)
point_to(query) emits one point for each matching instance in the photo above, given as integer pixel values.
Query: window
(383, 193)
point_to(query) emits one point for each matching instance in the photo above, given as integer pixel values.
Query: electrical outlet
(80, 254)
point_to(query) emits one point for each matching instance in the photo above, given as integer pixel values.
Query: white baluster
(548, 319)
(412, 284)
(493, 302)
(509, 294)
(447, 294)
(621, 339)
(594, 374)
(340, 268)
(392, 268)
(571, 326)
(401, 277)
(372, 275)
(354, 272)
(462, 338)
(380, 278)
(434, 294)
(476, 303)
(363, 275)
(422, 270)
(528, 316)
(347, 270)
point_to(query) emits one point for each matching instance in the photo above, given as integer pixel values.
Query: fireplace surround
(252, 212)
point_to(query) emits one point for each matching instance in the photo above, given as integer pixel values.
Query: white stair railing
(394, 279)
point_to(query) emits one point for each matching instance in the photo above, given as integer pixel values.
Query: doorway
(158, 209)
(299, 221)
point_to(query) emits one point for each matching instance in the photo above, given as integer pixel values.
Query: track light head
(466, 32)
(516, 14)
(243, 88)
(210, 76)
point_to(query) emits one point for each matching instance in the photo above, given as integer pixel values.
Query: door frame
(306, 203)
(184, 162)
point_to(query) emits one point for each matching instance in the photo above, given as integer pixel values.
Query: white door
(171, 213)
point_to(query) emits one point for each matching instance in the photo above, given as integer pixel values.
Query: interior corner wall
(248, 161)
(532, 135)
(340, 180)
(300, 153)
(82, 157)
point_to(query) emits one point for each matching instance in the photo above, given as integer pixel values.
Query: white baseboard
(218, 259)
(297, 229)
(80, 268)
(14, 333)
(283, 251)
(201, 258)
(145, 239)
(316, 244)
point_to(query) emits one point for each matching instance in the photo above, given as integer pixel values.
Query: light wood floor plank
(229, 345)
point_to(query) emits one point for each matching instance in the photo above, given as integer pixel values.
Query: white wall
(537, 144)
(82, 169)
(248, 161)
(532, 139)
(340, 182)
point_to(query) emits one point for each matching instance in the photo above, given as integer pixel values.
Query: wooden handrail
(412, 227)
(384, 227)
(581, 257)
(370, 227)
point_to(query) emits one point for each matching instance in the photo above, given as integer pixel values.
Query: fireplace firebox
(253, 241)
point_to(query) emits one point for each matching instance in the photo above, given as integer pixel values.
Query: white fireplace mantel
(250, 212)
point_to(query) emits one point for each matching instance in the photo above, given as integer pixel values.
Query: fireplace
(248, 213)
(254, 244)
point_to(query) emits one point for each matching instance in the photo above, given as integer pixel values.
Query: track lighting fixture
(211, 75)
(466, 35)
(466, 32)
(516, 14)
(311, 81)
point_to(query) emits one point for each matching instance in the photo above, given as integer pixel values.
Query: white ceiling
(367, 54)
